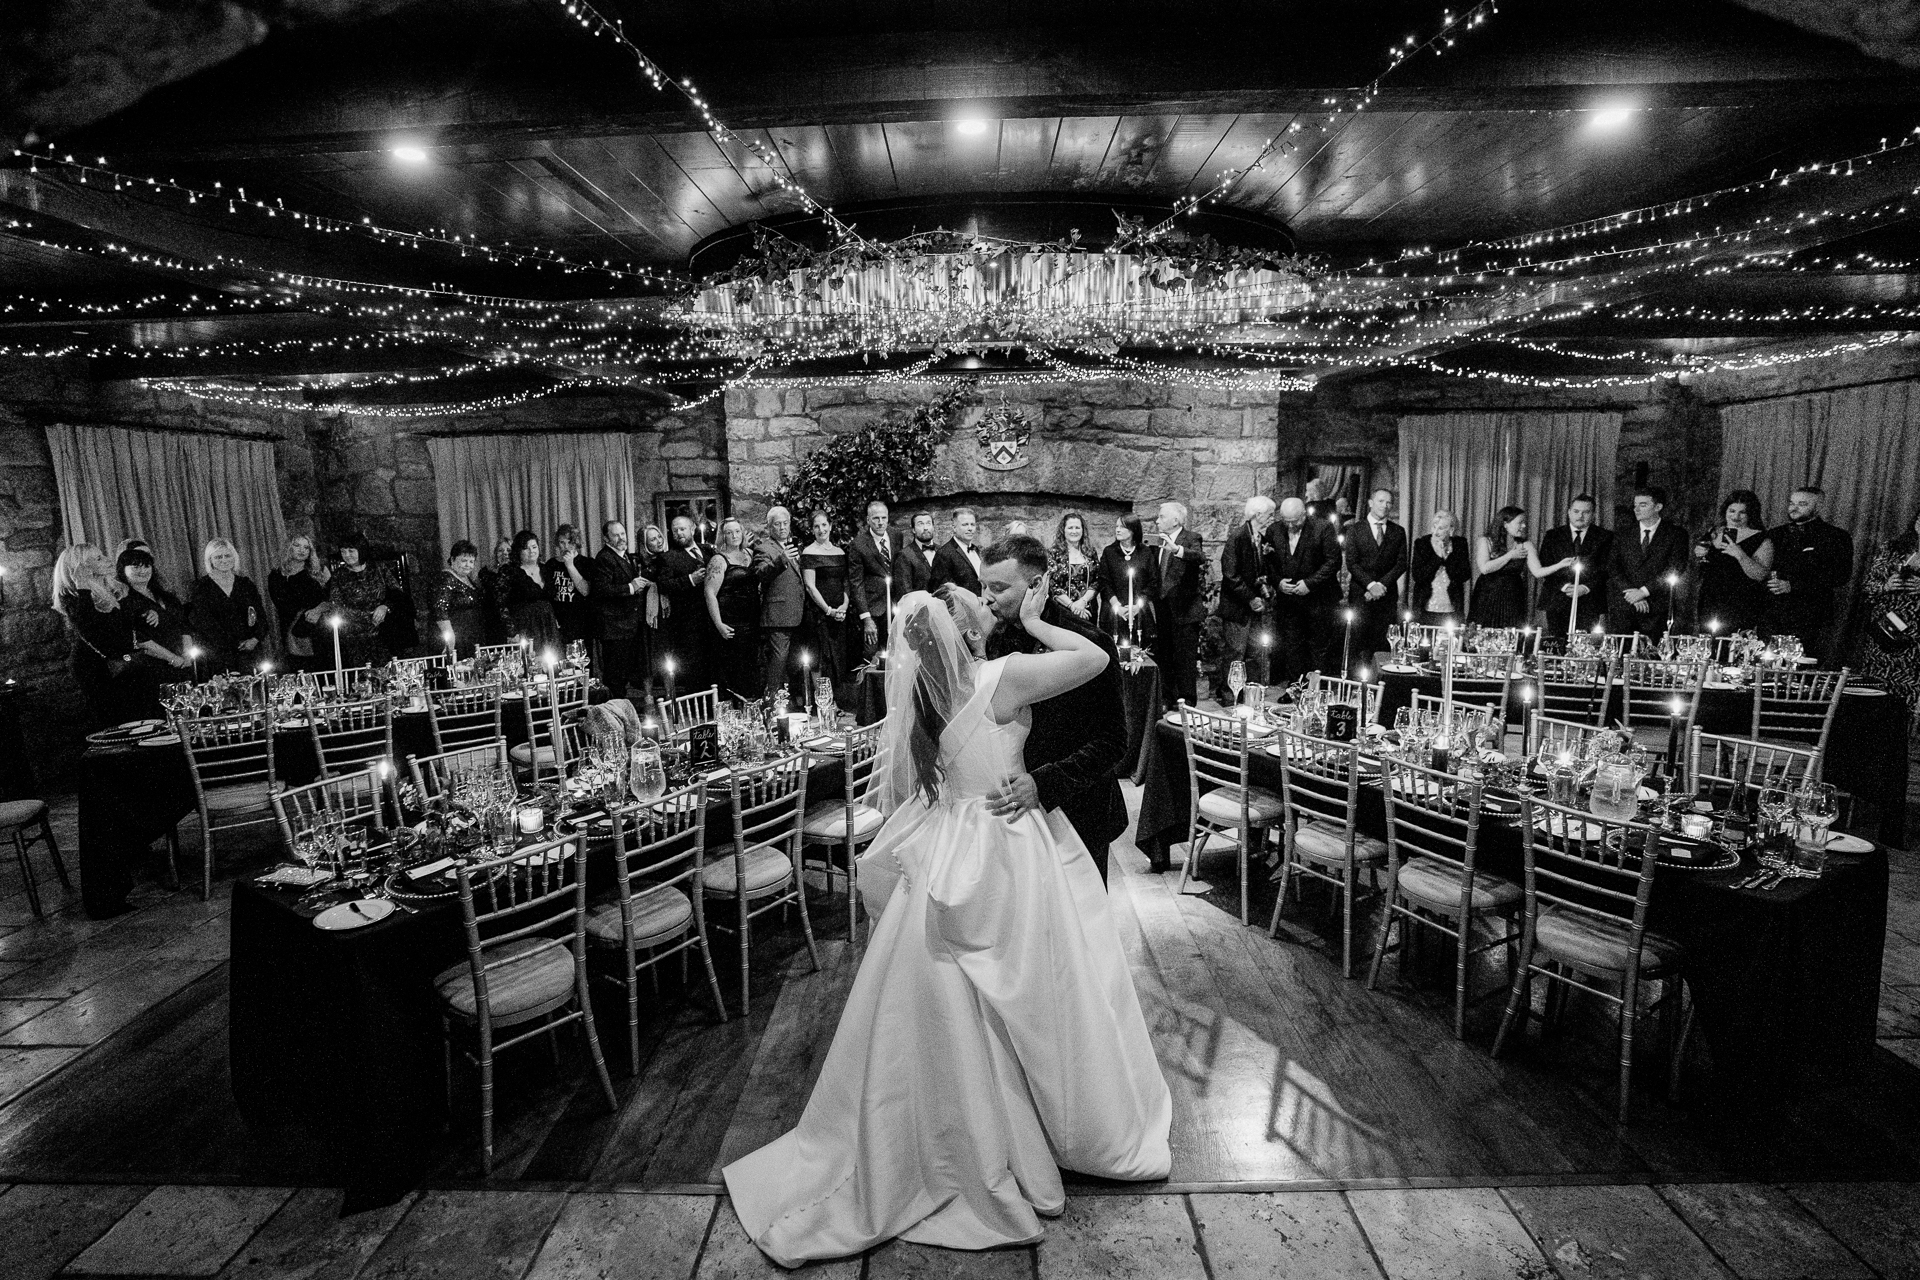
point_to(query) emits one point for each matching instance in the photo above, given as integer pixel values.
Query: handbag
(1890, 632)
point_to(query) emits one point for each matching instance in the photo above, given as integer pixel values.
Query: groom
(1079, 738)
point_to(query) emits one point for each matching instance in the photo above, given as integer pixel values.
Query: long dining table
(1781, 978)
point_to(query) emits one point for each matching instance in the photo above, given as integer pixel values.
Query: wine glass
(1236, 677)
(1667, 647)
(647, 776)
(1814, 809)
(1396, 641)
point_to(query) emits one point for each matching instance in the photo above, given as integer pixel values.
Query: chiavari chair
(1797, 707)
(351, 734)
(1563, 737)
(1588, 886)
(1320, 835)
(465, 716)
(1717, 765)
(351, 798)
(1573, 689)
(545, 706)
(231, 758)
(1223, 802)
(1485, 721)
(769, 805)
(525, 916)
(850, 823)
(1433, 845)
(689, 709)
(1657, 693)
(435, 775)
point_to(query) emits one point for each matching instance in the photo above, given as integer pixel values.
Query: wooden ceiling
(537, 134)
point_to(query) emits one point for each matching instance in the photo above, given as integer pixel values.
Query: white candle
(193, 656)
(669, 666)
(889, 581)
(531, 821)
(1129, 602)
(338, 666)
(446, 633)
(1573, 605)
(806, 678)
(1673, 586)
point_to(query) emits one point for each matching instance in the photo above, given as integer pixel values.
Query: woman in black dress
(1500, 593)
(157, 628)
(1439, 599)
(457, 604)
(526, 597)
(226, 615)
(88, 596)
(298, 589)
(733, 604)
(490, 588)
(1734, 558)
(358, 596)
(1074, 563)
(1118, 587)
(823, 568)
(566, 575)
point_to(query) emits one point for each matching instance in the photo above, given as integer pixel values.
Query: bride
(992, 1036)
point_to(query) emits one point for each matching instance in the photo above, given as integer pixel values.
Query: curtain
(176, 490)
(492, 486)
(1472, 464)
(1861, 444)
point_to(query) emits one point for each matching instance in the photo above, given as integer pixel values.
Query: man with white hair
(1246, 597)
(1182, 604)
(776, 567)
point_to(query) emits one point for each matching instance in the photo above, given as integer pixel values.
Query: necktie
(1379, 532)
(1646, 538)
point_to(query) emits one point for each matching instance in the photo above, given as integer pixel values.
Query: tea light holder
(531, 820)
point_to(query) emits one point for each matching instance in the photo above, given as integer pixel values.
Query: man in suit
(1812, 564)
(1182, 560)
(1646, 563)
(1303, 563)
(958, 560)
(1246, 594)
(776, 567)
(616, 589)
(1078, 738)
(913, 562)
(870, 575)
(1376, 558)
(1578, 542)
(684, 626)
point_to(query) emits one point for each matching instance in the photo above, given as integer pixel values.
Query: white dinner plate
(141, 726)
(352, 915)
(1804, 661)
(1394, 668)
(1864, 691)
(1841, 842)
(160, 740)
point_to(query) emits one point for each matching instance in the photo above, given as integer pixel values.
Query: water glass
(646, 774)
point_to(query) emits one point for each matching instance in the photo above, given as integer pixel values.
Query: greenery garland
(891, 462)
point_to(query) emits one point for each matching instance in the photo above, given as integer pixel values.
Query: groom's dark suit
(1078, 740)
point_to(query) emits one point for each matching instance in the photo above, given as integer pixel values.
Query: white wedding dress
(992, 1036)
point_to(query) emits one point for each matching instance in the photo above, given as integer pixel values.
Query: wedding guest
(1812, 564)
(1571, 566)
(526, 597)
(566, 575)
(1181, 563)
(1893, 592)
(870, 576)
(225, 615)
(1303, 564)
(490, 588)
(1734, 558)
(686, 636)
(298, 589)
(1502, 555)
(1376, 554)
(618, 594)
(913, 563)
(157, 623)
(87, 596)
(1246, 596)
(1643, 566)
(457, 600)
(824, 573)
(1128, 583)
(958, 560)
(733, 607)
(1438, 572)
(654, 542)
(357, 595)
(776, 570)
(1072, 562)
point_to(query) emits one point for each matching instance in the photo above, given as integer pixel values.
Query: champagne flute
(1236, 677)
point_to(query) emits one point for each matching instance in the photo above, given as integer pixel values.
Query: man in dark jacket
(913, 562)
(1647, 562)
(1579, 542)
(776, 567)
(1303, 563)
(683, 591)
(616, 589)
(1246, 593)
(870, 576)
(1182, 559)
(1376, 552)
(1078, 737)
(958, 560)
(1812, 565)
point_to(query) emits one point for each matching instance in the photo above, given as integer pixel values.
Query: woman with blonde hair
(88, 596)
(226, 615)
(733, 605)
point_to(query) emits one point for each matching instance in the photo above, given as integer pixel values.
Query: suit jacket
(869, 566)
(1817, 559)
(1183, 577)
(616, 598)
(1595, 551)
(1316, 561)
(1423, 566)
(1368, 561)
(950, 564)
(911, 570)
(783, 593)
(685, 600)
(1628, 566)
(1079, 738)
(1243, 576)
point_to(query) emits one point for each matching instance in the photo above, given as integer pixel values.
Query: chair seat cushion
(828, 821)
(1594, 943)
(1432, 882)
(1321, 842)
(15, 812)
(659, 916)
(768, 869)
(537, 973)
(1222, 804)
(523, 753)
(245, 797)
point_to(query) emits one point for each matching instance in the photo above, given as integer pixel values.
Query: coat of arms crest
(1003, 434)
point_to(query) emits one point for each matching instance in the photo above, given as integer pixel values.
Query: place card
(428, 869)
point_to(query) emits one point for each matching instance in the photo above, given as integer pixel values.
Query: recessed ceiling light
(1611, 117)
(971, 126)
(412, 155)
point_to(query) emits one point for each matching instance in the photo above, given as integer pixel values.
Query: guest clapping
(458, 603)
(298, 588)
(358, 595)
(226, 615)
(1812, 563)
(733, 607)
(1734, 558)
(823, 570)
(1502, 555)
(1071, 566)
(1439, 572)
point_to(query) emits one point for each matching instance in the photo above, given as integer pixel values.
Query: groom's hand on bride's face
(1013, 797)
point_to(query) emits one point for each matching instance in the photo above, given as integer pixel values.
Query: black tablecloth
(1141, 690)
(1866, 752)
(16, 766)
(1780, 978)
